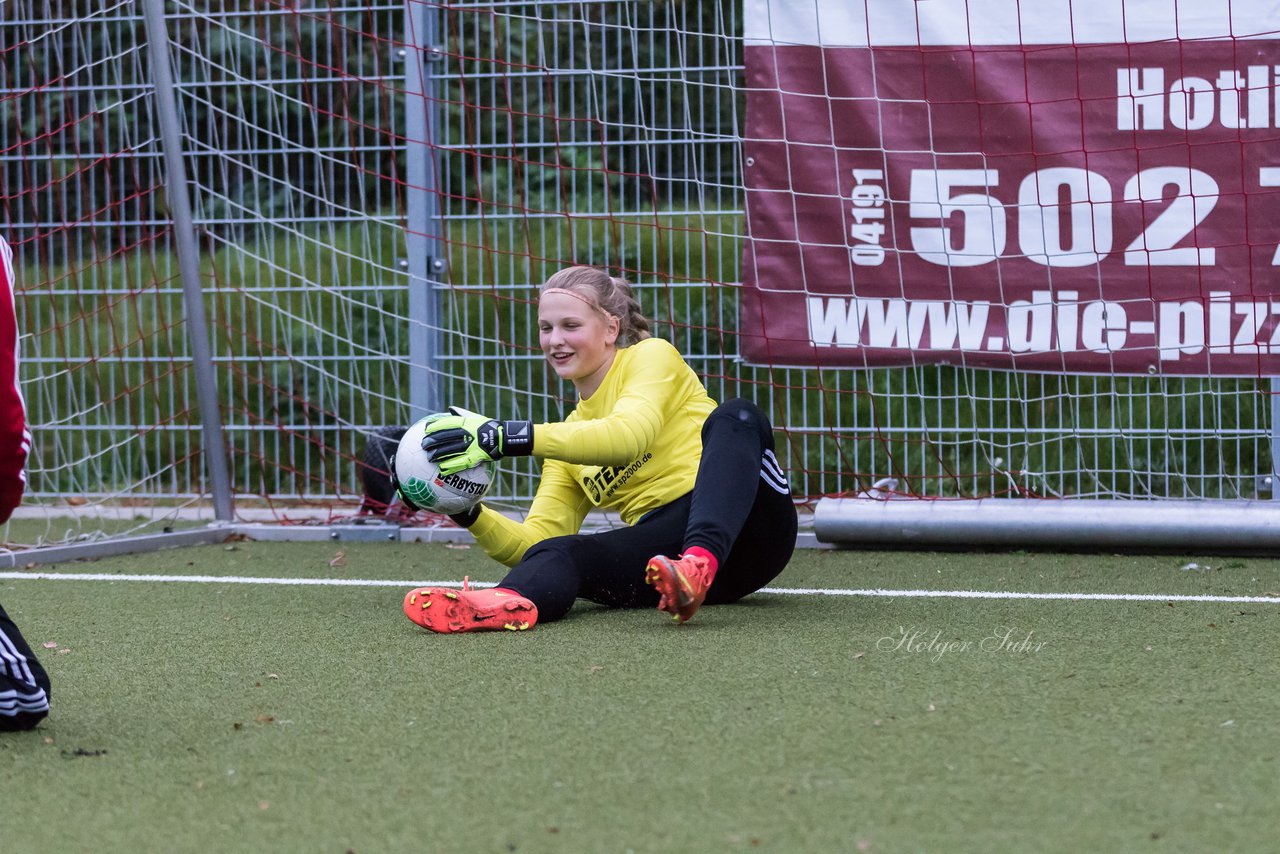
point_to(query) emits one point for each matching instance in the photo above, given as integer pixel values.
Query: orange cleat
(682, 584)
(443, 610)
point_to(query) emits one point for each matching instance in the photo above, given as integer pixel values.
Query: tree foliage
(296, 110)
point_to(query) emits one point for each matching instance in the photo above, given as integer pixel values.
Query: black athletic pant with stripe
(24, 686)
(740, 510)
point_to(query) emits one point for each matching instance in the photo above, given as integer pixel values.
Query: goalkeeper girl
(708, 509)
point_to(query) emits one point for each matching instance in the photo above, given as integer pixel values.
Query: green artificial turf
(232, 717)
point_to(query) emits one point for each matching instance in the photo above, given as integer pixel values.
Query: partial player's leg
(737, 454)
(740, 488)
(606, 568)
(763, 548)
(24, 685)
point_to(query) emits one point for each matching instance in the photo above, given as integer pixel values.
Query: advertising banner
(1066, 186)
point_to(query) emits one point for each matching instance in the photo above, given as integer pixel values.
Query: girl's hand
(464, 439)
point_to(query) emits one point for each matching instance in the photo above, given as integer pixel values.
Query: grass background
(196, 717)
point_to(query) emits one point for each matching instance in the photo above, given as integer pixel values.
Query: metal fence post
(215, 451)
(424, 228)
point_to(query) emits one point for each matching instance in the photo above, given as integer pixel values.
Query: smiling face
(578, 340)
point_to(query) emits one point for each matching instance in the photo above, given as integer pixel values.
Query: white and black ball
(422, 483)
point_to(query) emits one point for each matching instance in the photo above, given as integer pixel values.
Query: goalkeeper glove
(464, 439)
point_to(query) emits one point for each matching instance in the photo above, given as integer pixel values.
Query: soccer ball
(422, 483)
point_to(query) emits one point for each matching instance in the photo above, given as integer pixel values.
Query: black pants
(24, 686)
(740, 510)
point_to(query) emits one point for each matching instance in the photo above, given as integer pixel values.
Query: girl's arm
(558, 508)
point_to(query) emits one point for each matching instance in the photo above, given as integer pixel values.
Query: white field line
(783, 591)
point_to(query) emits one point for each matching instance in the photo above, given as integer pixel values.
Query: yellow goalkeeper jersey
(632, 447)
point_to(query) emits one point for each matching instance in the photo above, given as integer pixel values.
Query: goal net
(948, 258)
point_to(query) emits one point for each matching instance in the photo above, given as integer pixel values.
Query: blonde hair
(610, 295)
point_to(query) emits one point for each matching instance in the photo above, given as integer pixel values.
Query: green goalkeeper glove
(464, 439)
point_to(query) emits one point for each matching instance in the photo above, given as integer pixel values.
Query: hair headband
(573, 294)
(594, 306)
